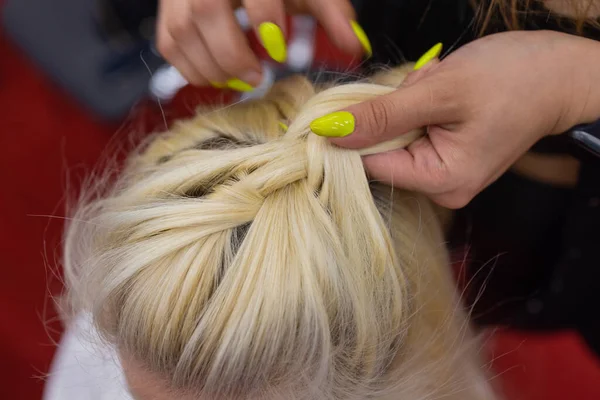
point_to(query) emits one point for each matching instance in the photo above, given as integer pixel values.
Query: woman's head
(234, 259)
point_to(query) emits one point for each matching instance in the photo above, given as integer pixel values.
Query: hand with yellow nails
(483, 106)
(202, 39)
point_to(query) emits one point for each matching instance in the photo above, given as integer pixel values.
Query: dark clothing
(126, 20)
(533, 249)
(533, 254)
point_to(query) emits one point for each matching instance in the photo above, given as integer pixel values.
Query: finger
(169, 49)
(338, 18)
(268, 19)
(419, 167)
(226, 42)
(188, 71)
(202, 61)
(429, 101)
(167, 45)
(180, 32)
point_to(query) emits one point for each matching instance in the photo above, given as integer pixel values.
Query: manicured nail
(362, 37)
(431, 54)
(283, 126)
(218, 85)
(337, 124)
(239, 85)
(273, 41)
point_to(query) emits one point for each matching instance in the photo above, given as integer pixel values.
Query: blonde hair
(240, 261)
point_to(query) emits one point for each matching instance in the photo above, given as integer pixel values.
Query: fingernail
(431, 54)
(362, 37)
(273, 41)
(218, 85)
(239, 85)
(337, 124)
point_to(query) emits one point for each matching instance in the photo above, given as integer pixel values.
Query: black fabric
(511, 237)
(533, 249)
(126, 19)
(533, 254)
(402, 30)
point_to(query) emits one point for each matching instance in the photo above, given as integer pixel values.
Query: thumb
(383, 118)
(423, 99)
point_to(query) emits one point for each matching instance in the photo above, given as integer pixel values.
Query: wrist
(581, 99)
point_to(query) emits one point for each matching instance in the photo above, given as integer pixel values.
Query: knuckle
(439, 178)
(165, 46)
(378, 122)
(438, 181)
(197, 81)
(462, 195)
(194, 78)
(455, 200)
(180, 28)
(215, 75)
(231, 61)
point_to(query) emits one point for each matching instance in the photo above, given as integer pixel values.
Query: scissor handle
(587, 136)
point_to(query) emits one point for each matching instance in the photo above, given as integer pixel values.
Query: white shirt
(85, 367)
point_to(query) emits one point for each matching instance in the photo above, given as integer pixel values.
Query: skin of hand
(484, 106)
(203, 40)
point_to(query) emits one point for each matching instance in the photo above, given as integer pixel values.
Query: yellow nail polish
(337, 124)
(432, 53)
(217, 85)
(273, 41)
(239, 85)
(283, 126)
(362, 37)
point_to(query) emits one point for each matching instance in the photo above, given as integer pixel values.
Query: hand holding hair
(484, 105)
(202, 39)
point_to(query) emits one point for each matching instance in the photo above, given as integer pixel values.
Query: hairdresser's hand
(203, 40)
(484, 105)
